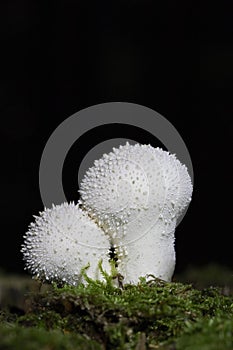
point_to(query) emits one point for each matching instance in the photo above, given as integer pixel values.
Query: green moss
(17, 338)
(150, 315)
(207, 334)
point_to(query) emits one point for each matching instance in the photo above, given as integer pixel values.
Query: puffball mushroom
(61, 242)
(136, 194)
(130, 200)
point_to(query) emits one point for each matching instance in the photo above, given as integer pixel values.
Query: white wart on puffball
(61, 242)
(136, 194)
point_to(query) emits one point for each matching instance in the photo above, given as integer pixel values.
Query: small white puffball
(61, 242)
(136, 194)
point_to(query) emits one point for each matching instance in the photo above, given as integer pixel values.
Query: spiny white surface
(136, 194)
(62, 241)
(120, 188)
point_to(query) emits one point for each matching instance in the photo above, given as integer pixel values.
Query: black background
(173, 57)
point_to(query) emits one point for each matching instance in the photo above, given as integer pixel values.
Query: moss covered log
(149, 315)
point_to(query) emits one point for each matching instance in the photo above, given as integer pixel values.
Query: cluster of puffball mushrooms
(130, 201)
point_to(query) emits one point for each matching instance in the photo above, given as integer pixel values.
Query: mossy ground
(149, 315)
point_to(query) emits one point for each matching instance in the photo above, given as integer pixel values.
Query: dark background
(173, 57)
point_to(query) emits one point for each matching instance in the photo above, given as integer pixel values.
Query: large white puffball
(136, 194)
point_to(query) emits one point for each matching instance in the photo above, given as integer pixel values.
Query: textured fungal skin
(136, 194)
(61, 242)
(120, 188)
